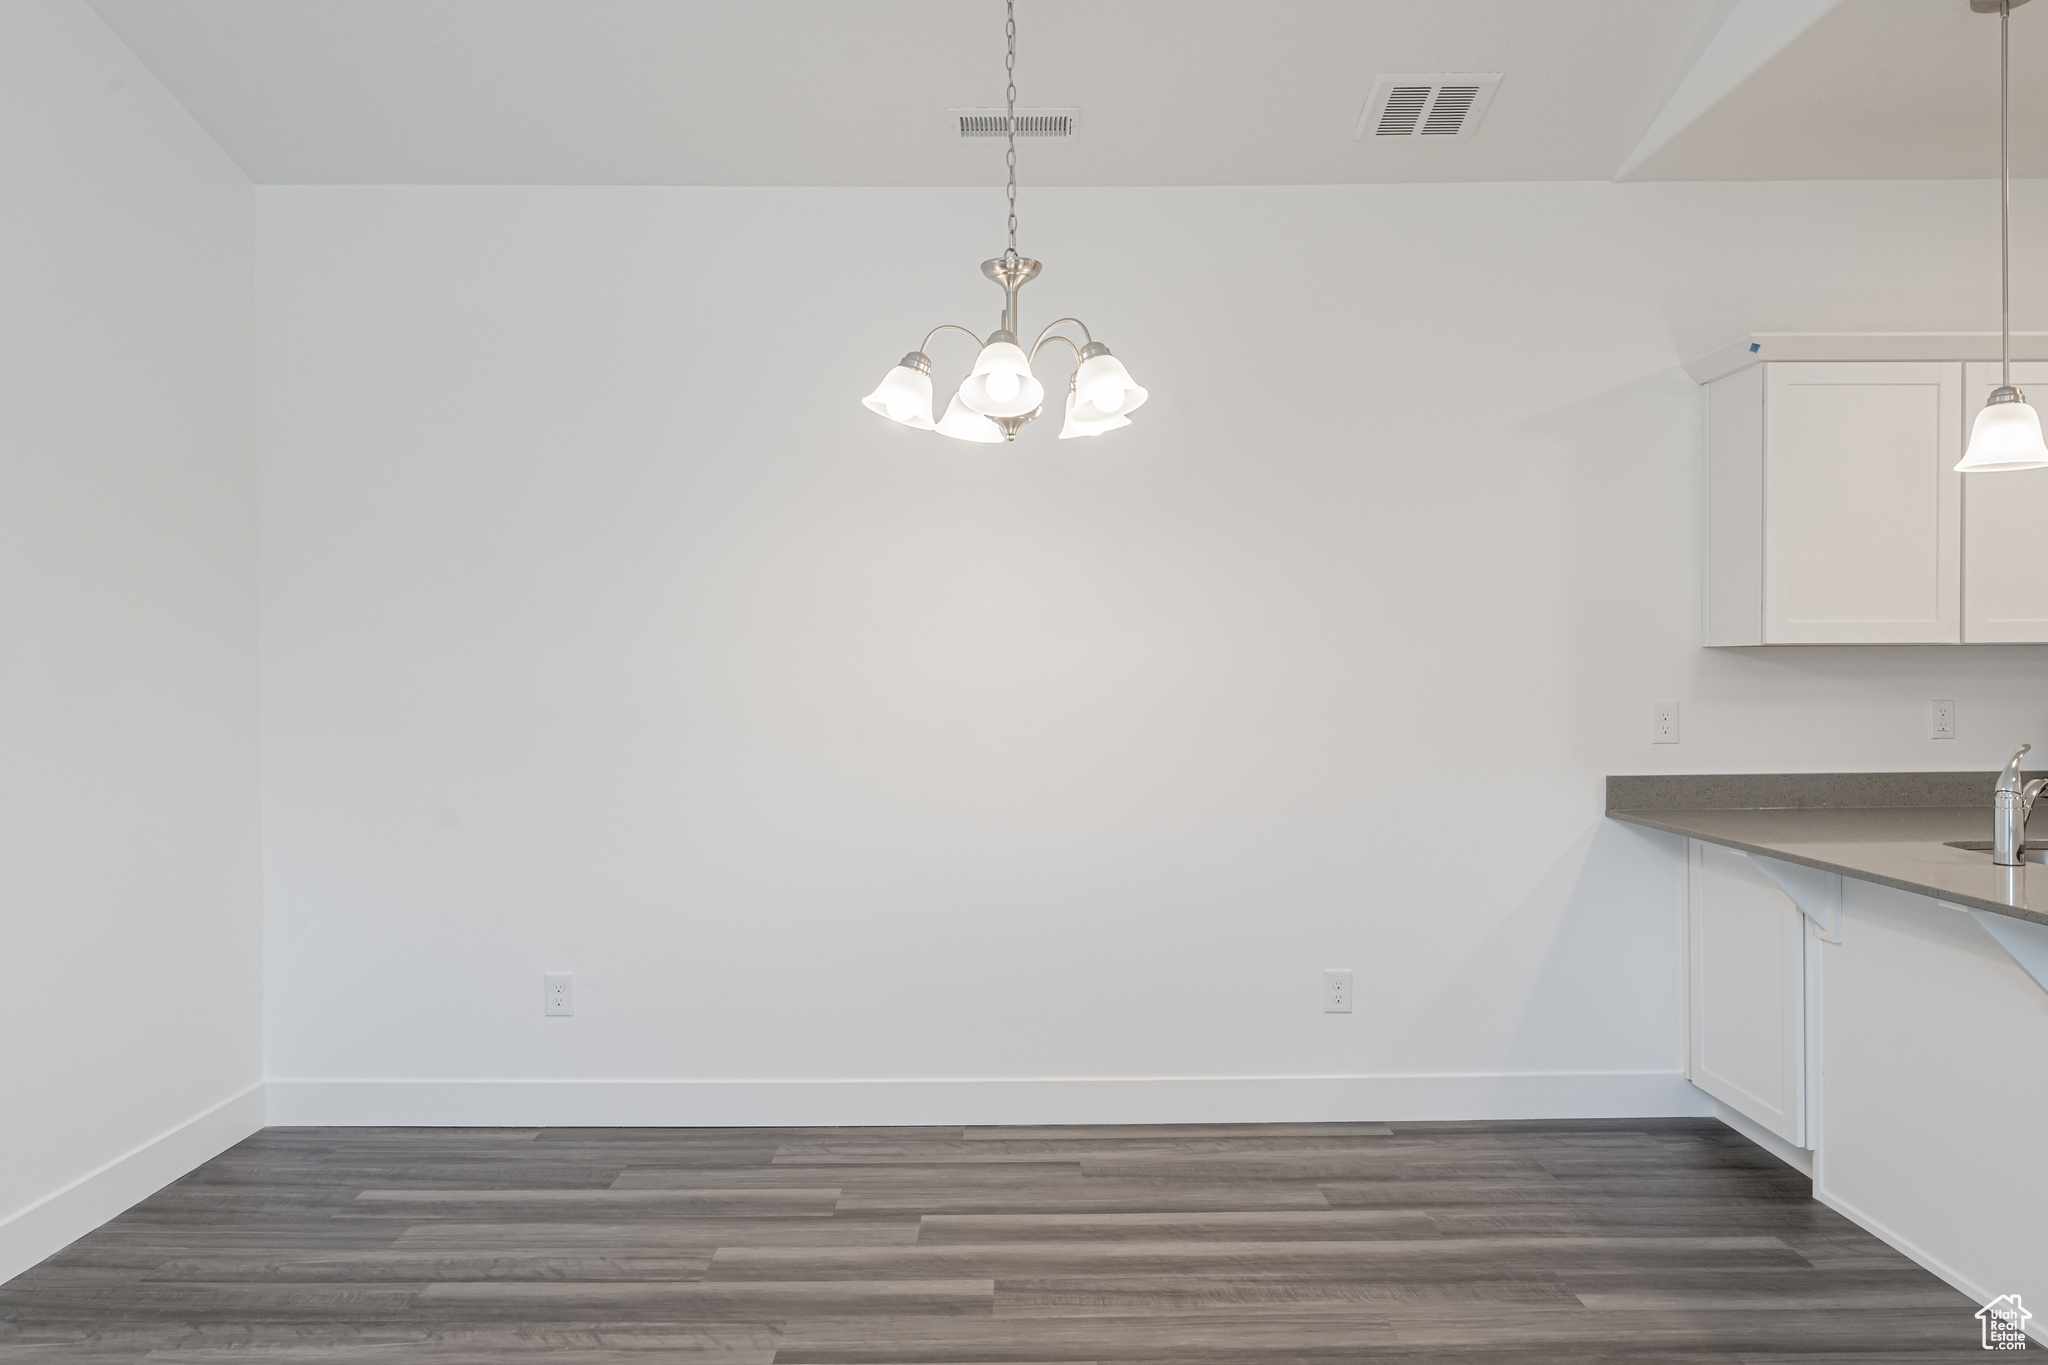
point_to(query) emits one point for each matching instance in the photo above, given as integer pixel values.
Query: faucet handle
(2009, 781)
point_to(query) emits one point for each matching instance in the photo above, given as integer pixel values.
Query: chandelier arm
(1044, 341)
(949, 327)
(1085, 334)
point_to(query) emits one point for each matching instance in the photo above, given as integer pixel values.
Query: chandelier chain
(1010, 71)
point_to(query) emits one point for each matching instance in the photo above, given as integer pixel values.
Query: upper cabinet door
(1863, 509)
(2005, 578)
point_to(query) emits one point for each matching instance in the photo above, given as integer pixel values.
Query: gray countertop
(1904, 846)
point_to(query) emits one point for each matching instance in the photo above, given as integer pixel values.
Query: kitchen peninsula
(1870, 1001)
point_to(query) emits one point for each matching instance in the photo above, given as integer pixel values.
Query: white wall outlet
(1336, 992)
(1663, 722)
(1943, 725)
(558, 993)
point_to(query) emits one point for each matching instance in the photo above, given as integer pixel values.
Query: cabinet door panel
(2005, 518)
(1746, 997)
(1863, 521)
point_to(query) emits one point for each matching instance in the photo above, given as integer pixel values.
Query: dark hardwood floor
(1605, 1241)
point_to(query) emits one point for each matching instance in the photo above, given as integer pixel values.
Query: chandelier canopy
(1001, 394)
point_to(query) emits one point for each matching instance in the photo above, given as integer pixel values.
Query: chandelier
(1001, 394)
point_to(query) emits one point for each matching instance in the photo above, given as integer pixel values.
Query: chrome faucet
(2011, 804)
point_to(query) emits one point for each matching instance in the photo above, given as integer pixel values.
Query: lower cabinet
(1746, 990)
(1902, 1041)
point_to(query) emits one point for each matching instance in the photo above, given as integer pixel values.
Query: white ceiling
(1193, 92)
(1876, 90)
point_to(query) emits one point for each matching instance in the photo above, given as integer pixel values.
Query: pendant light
(2007, 433)
(1001, 394)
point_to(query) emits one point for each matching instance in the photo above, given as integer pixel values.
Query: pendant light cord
(2004, 189)
(1010, 71)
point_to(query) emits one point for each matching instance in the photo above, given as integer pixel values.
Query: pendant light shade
(964, 423)
(1084, 419)
(1002, 384)
(905, 393)
(1103, 383)
(2006, 436)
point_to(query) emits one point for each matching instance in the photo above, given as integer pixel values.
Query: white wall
(604, 632)
(130, 927)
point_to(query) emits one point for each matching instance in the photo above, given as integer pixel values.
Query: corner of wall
(62, 1217)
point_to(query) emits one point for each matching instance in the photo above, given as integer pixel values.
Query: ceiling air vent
(1442, 104)
(978, 123)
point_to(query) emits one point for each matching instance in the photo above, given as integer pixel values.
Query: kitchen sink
(2034, 853)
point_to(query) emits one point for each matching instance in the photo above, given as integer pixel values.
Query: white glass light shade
(1087, 414)
(2005, 436)
(965, 424)
(1104, 384)
(1003, 358)
(904, 395)
(1093, 425)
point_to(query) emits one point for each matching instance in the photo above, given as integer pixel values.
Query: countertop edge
(1653, 821)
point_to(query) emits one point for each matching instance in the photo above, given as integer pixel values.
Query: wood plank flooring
(1605, 1241)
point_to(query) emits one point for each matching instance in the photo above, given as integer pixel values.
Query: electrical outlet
(1336, 992)
(1944, 721)
(558, 995)
(1663, 722)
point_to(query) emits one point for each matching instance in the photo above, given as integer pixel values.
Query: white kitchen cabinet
(1834, 515)
(1746, 990)
(2005, 520)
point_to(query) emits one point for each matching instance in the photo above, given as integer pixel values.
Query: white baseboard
(1926, 1260)
(62, 1217)
(1142, 1099)
(1798, 1158)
